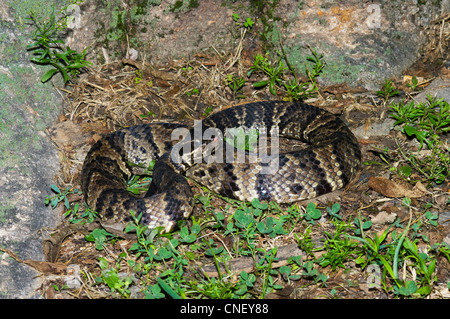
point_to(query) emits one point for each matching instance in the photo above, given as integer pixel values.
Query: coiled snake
(329, 161)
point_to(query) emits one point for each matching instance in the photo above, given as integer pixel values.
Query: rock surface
(28, 160)
(363, 42)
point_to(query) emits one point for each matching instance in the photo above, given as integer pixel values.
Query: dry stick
(399, 245)
(238, 50)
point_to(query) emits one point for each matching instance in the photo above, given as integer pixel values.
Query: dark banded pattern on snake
(329, 161)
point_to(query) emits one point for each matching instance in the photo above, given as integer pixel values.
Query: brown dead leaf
(44, 267)
(407, 79)
(66, 133)
(445, 72)
(390, 188)
(384, 218)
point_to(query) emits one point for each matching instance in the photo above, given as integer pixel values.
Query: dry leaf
(384, 218)
(44, 267)
(390, 188)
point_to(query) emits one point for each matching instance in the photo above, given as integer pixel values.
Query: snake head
(186, 153)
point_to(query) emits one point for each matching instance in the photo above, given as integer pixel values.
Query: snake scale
(329, 161)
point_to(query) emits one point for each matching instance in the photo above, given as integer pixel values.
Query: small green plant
(276, 73)
(248, 24)
(49, 49)
(432, 116)
(244, 140)
(425, 267)
(334, 210)
(402, 250)
(236, 84)
(312, 213)
(62, 196)
(273, 71)
(207, 111)
(371, 249)
(150, 114)
(144, 244)
(361, 225)
(113, 279)
(413, 84)
(338, 247)
(432, 218)
(425, 122)
(100, 237)
(138, 184)
(194, 91)
(318, 65)
(388, 90)
(138, 77)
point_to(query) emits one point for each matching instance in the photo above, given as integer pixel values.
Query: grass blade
(167, 289)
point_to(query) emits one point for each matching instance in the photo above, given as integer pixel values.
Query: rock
(364, 42)
(28, 160)
(72, 279)
(447, 239)
(444, 219)
(439, 88)
(375, 129)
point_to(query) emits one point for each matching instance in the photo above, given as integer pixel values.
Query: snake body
(329, 161)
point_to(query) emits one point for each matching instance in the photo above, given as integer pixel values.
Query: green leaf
(55, 188)
(285, 271)
(260, 84)
(249, 279)
(431, 267)
(248, 23)
(167, 288)
(424, 290)
(186, 237)
(405, 170)
(262, 228)
(66, 202)
(213, 251)
(111, 278)
(257, 204)
(420, 135)
(408, 289)
(76, 65)
(65, 76)
(48, 75)
(103, 263)
(163, 253)
(312, 211)
(99, 236)
(62, 57)
(69, 51)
